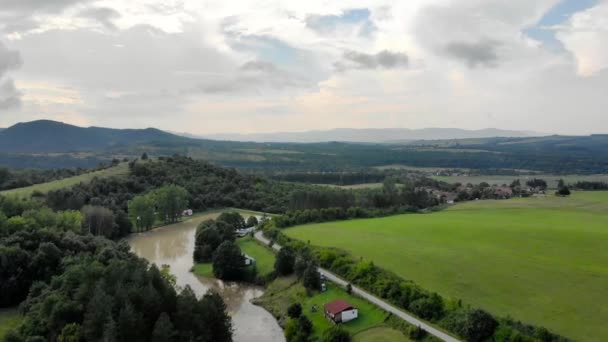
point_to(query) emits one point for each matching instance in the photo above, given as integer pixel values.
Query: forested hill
(46, 136)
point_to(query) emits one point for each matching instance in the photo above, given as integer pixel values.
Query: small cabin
(248, 260)
(340, 311)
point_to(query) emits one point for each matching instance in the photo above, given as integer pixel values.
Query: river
(173, 245)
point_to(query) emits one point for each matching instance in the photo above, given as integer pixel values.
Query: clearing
(9, 319)
(540, 260)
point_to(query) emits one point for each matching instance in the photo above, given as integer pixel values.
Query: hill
(45, 136)
(371, 135)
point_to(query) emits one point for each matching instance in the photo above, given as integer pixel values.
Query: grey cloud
(39, 6)
(254, 77)
(481, 53)
(384, 59)
(9, 95)
(104, 15)
(9, 59)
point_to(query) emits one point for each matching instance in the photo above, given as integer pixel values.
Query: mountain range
(371, 135)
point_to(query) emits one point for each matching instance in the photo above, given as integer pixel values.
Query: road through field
(373, 299)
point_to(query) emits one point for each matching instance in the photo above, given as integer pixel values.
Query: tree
(284, 263)
(311, 278)
(141, 212)
(233, 219)
(70, 333)
(207, 241)
(98, 220)
(97, 312)
(252, 221)
(171, 201)
(163, 329)
(561, 183)
(479, 326)
(294, 310)
(349, 288)
(336, 334)
(228, 262)
(144, 156)
(563, 191)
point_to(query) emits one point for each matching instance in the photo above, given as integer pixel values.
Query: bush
(417, 333)
(294, 310)
(336, 334)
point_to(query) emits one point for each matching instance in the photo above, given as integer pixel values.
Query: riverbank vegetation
(463, 252)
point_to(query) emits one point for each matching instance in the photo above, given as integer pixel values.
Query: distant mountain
(45, 136)
(372, 135)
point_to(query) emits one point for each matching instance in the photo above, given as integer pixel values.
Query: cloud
(383, 59)
(585, 35)
(104, 15)
(481, 53)
(352, 19)
(9, 95)
(9, 60)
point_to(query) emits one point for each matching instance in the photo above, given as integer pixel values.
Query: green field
(9, 319)
(540, 260)
(285, 291)
(119, 170)
(263, 256)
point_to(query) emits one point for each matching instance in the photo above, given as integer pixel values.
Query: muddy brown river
(173, 245)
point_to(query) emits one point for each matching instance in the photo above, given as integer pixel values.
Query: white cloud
(585, 35)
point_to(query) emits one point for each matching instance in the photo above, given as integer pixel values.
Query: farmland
(119, 170)
(539, 260)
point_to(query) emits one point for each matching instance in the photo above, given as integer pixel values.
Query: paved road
(375, 300)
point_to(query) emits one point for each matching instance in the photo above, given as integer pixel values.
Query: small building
(248, 260)
(340, 311)
(188, 212)
(245, 231)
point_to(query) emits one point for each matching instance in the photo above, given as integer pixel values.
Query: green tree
(70, 333)
(311, 278)
(171, 201)
(232, 218)
(252, 221)
(98, 220)
(479, 326)
(141, 212)
(284, 263)
(336, 334)
(144, 156)
(163, 329)
(228, 262)
(97, 311)
(294, 310)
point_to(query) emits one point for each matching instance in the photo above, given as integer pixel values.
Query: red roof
(337, 306)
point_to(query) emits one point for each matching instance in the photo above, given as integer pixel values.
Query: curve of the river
(173, 245)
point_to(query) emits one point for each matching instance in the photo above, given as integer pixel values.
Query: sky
(275, 65)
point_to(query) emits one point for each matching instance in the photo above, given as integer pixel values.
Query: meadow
(119, 170)
(543, 261)
(9, 319)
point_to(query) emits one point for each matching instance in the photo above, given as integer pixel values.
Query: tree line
(74, 286)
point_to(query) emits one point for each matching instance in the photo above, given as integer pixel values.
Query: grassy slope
(119, 170)
(263, 256)
(540, 260)
(285, 291)
(9, 319)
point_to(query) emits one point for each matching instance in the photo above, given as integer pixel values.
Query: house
(188, 212)
(244, 231)
(340, 311)
(248, 260)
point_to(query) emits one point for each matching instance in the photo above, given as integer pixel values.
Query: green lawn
(380, 334)
(540, 260)
(9, 319)
(285, 291)
(263, 256)
(120, 170)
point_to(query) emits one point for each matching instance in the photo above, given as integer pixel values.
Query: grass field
(119, 170)
(263, 256)
(285, 291)
(9, 319)
(540, 260)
